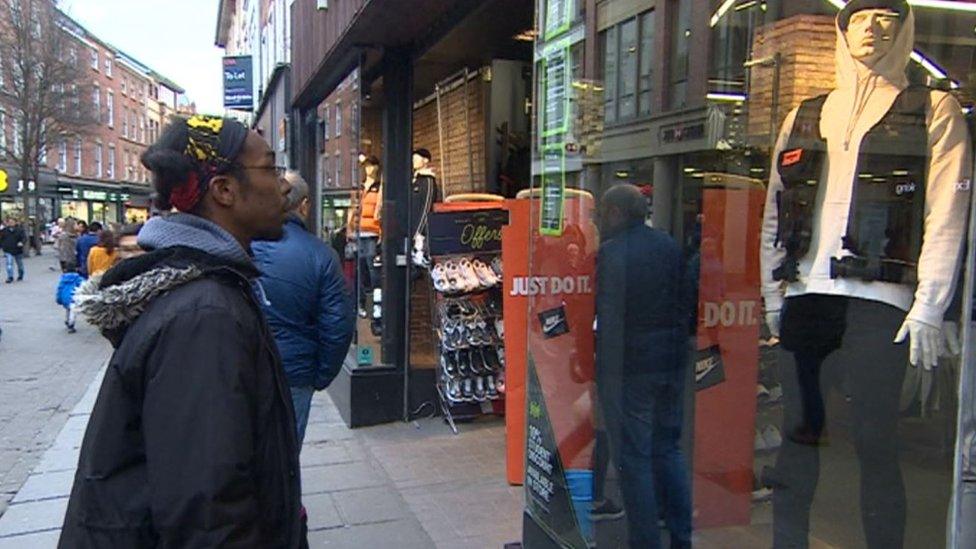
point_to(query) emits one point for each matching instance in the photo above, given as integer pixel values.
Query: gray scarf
(182, 229)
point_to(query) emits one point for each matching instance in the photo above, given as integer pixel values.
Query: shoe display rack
(469, 329)
(465, 262)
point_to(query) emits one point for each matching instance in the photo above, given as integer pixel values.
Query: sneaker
(467, 390)
(454, 391)
(491, 388)
(71, 329)
(10, 281)
(768, 439)
(762, 495)
(607, 510)
(480, 394)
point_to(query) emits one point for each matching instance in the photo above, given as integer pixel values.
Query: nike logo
(704, 367)
(551, 323)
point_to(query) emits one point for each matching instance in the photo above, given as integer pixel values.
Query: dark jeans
(369, 275)
(645, 435)
(872, 369)
(301, 399)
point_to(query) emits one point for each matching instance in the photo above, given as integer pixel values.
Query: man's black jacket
(12, 240)
(192, 439)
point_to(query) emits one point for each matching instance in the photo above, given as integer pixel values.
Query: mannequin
(424, 193)
(862, 237)
(369, 229)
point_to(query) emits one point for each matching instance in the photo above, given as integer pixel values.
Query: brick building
(98, 176)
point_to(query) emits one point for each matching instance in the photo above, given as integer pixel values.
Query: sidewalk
(408, 486)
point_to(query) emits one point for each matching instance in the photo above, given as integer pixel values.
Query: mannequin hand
(952, 346)
(772, 320)
(926, 342)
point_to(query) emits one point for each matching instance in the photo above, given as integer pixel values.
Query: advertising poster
(560, 289)
(727, 358)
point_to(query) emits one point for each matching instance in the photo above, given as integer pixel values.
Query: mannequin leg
(797, 465)
(877, 370)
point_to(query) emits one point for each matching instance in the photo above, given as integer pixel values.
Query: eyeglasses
(278, 170)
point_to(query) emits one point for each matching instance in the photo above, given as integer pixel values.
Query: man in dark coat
(192, 439)
(642, 337)
(308, 304)
(87, 241)
(12, 240)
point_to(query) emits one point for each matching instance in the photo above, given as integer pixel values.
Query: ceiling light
(528, 35)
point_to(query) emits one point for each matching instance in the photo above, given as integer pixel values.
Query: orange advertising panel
(726, 365)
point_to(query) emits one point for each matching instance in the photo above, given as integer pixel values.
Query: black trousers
(846, 343)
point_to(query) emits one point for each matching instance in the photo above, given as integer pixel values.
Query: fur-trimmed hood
(113, 301)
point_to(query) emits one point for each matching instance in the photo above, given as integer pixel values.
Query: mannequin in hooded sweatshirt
(861, 323)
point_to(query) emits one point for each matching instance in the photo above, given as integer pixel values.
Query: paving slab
(322, 512)
(401, 534)
(38, 540)
(46, 486)
(343, 476)
(367, 505)
(35, 516)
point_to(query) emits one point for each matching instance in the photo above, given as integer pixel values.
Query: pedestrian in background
(102, 256)
(12, 241)
(69, 282)
(65, 245)
(642, 304)
(308, 304)
(191, 442)
(87, 241)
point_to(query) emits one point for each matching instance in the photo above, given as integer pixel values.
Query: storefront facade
(778, 431)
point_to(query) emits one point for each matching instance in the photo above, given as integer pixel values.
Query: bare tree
(46, 85)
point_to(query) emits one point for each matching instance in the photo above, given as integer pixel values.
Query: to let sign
(238, 83)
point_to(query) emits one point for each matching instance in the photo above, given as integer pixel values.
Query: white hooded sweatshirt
(862, 98)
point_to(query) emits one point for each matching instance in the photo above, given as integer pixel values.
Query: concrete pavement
(43, 370)
(411, 486)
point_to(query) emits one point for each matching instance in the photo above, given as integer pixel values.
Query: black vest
(885, 225)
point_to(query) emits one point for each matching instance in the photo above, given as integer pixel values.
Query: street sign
(238, 83)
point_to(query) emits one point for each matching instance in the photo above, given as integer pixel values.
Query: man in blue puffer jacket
(307, 302)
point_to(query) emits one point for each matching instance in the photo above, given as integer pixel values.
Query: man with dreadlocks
(192, 439)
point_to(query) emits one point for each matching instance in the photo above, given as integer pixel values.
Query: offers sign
(238, 83)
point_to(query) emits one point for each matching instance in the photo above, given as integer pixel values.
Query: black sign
(682, 133)
(554, 322)
(472, 231)
(238, 83)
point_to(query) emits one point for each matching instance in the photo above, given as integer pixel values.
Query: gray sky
(173, 37)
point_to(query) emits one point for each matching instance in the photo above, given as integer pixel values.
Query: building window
(110, 109)
(97, 100)
(17, 144)
(124, 86)
(98, 160)
(110, 171)
(108, 67)
(142, 130)
(628, 68)
(73, 56)
(125, 122)
(325, 124)
(338, 175)
(77, 156)
(94, 59)
(338, 122)
(63, 156)
(3, 131)
(680, 39)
